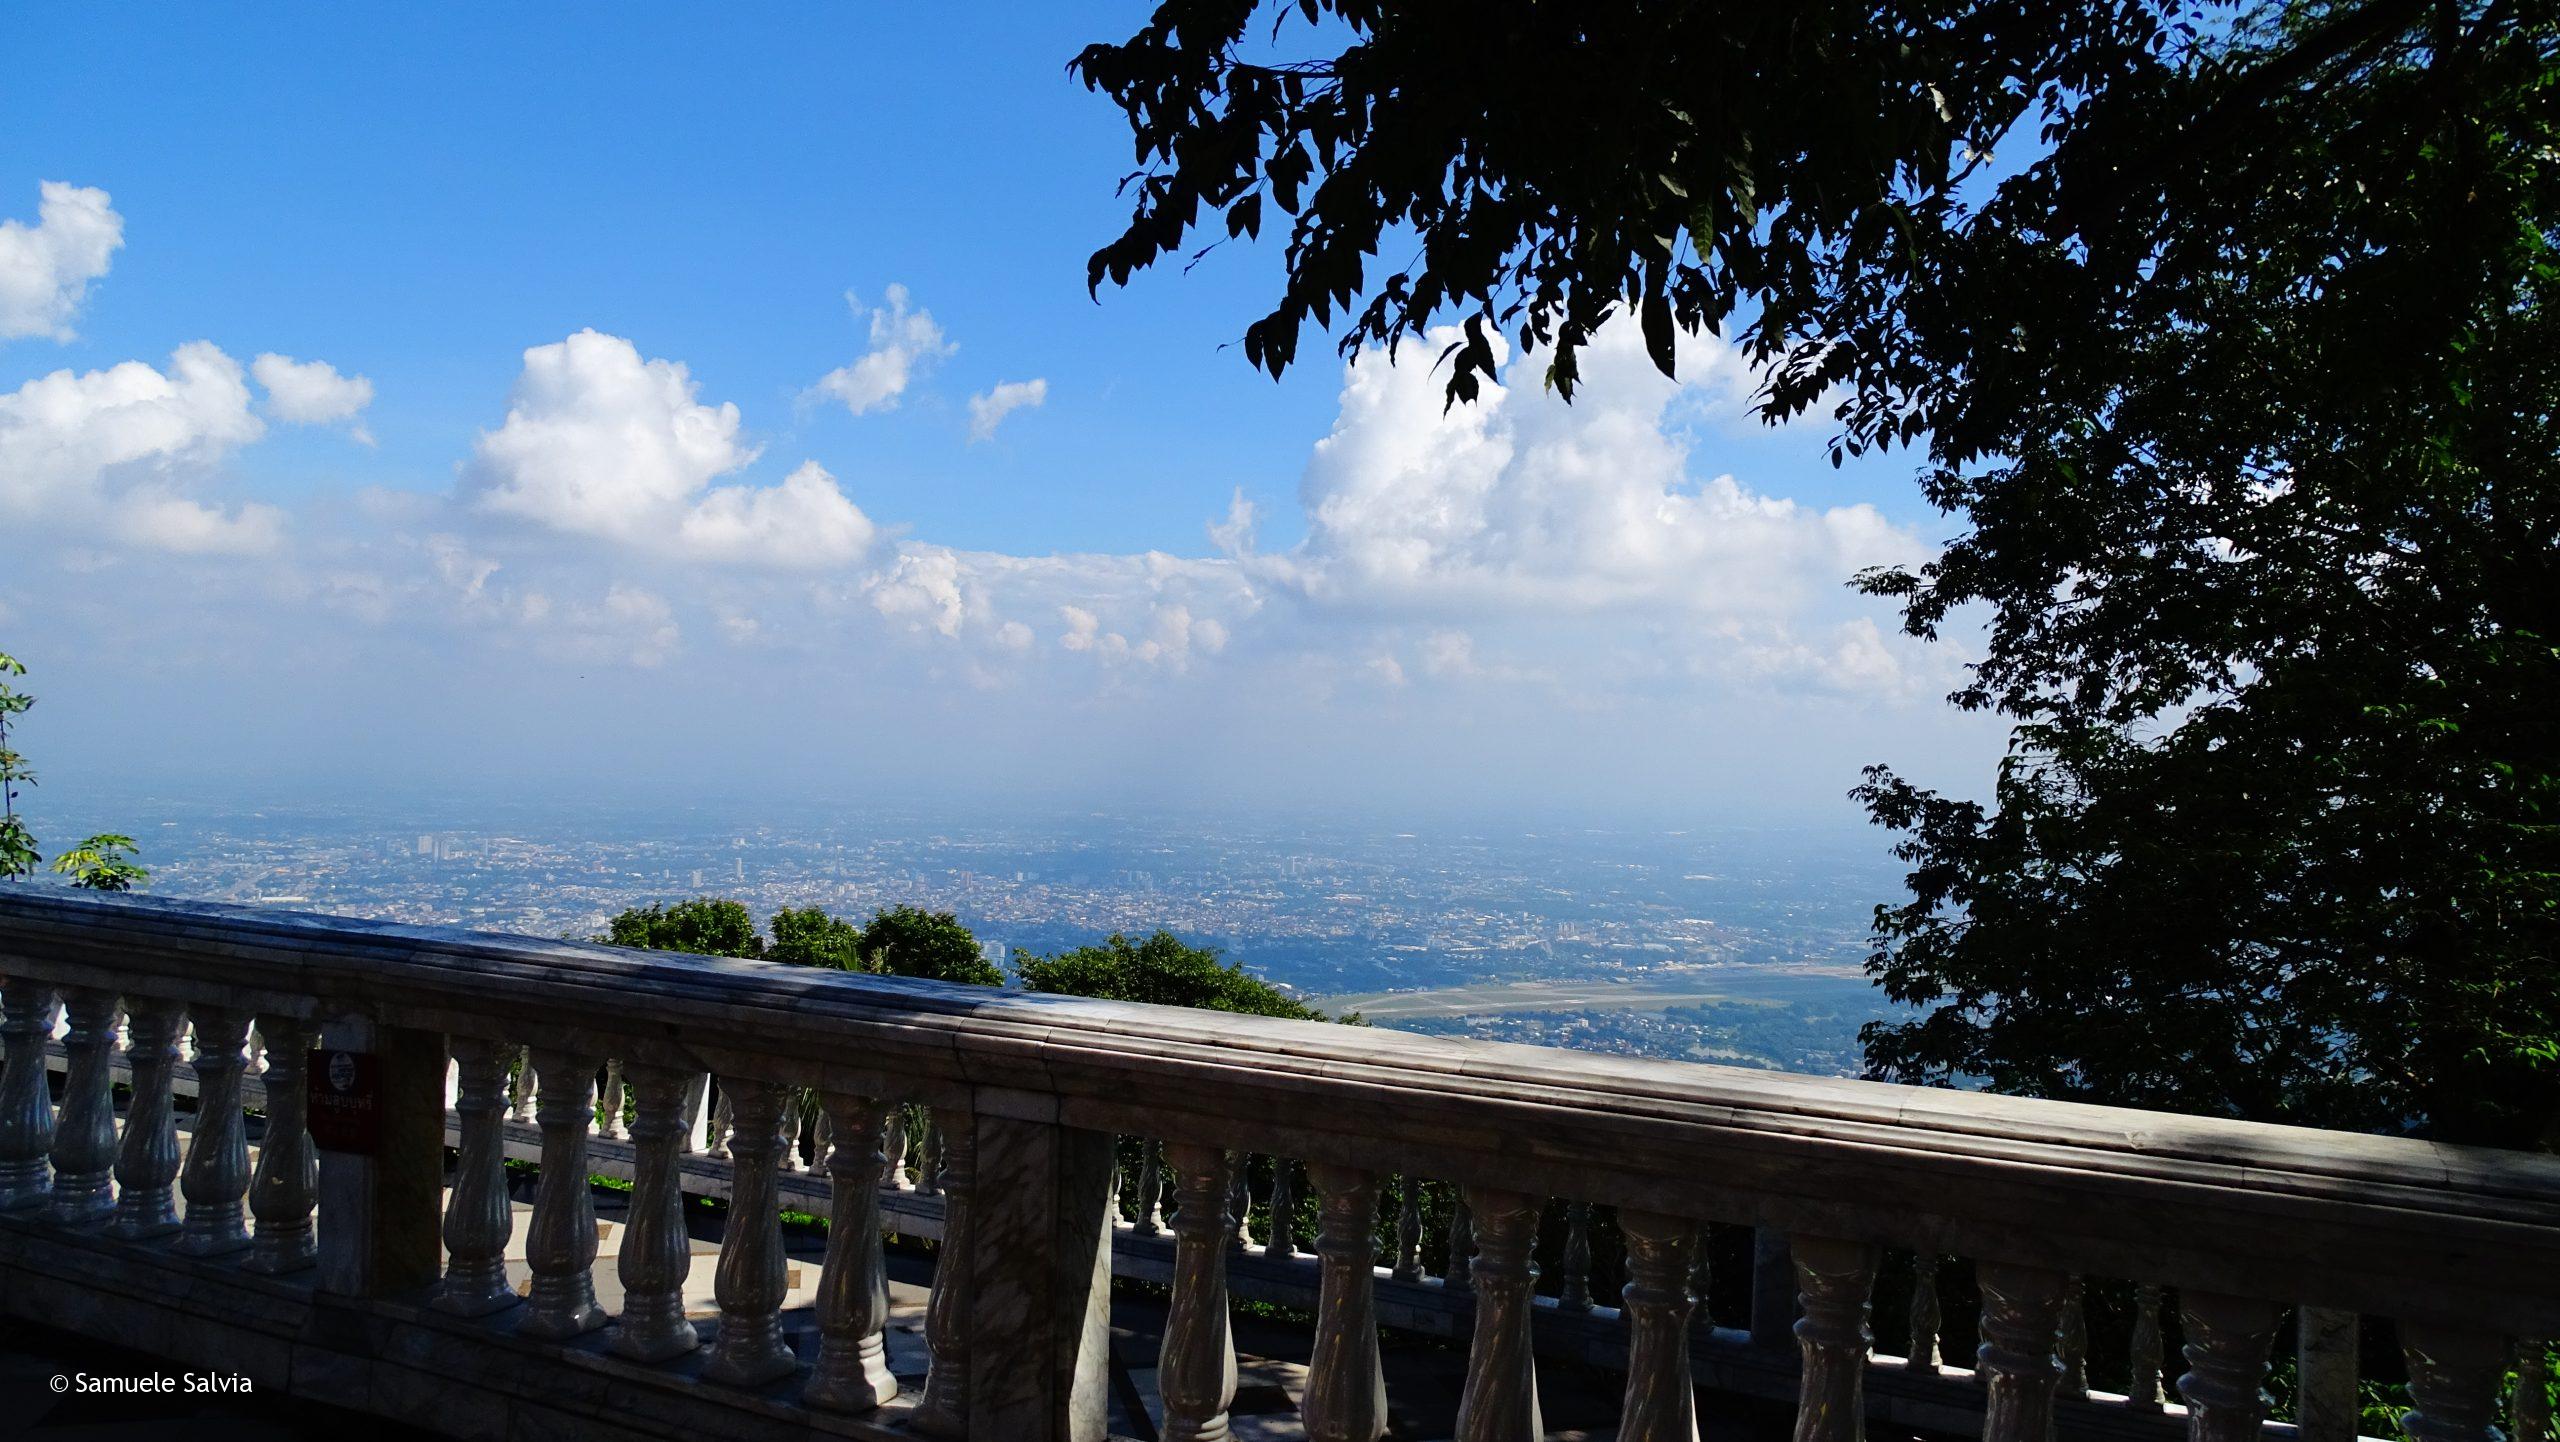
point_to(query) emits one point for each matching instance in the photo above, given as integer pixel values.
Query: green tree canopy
(2238, 370)
(103, 862)
(910, 941)
(1161, 970)
(809, 937)
(704, 926)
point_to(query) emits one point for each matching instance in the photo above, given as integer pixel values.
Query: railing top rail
(2385, 1225)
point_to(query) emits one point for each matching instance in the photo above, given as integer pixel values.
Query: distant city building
(426, 846)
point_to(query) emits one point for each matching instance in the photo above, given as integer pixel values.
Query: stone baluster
(2143, 1392)
(852, 1372)
(1284, 1209)
(1926, 1317)
(943, 1411)
(609, 1123)
(1240, 1200)
(2021, 1311)
(724, 1123)
(2454, 1374)
(1661, 1404)
(1573, 1288)
(1196, 1368)
(84, 1135)
(560, 1242)
(477, 1220)
(527, 1087)
(216, 1179)
(147, 1164)
(1346, 1398)
(1460, 1276)
(2529, 1405)
(2325, 1405)
(1500, 1399)
(2226, 1352)
(656, 1253)
(893, 1152)
(1834, 1279)
(1408, 1267)
(26, 1096)
(1150, 1219)
(2071, 1342)
(288, 1176)
(752, 1278)
(1698, 1263)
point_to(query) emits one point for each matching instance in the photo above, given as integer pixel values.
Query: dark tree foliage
(1162, 970)
(2261, 477)
(1537, 165)
(705, 926)
(897, 941)
(807, 936)
(910, 941)
(2240, 376)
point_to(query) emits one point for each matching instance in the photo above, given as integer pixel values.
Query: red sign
(345, 1091)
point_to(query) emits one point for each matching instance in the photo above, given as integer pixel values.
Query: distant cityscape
(1737, 945)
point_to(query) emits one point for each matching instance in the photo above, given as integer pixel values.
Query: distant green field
(1766, 985)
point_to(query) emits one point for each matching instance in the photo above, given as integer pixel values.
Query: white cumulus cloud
(312, 393)
(45, 269)
(110, 453)
(922, 589)
(600, 442)
(805, 520)
(905, 343)
(1521, 502)
(988, 409)
(1522, 510)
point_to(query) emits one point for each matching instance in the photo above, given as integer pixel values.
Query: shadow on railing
(1040, 1140)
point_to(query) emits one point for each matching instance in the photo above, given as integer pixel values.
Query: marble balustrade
(151, 1047)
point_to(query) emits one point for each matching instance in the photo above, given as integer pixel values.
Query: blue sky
(490, 564)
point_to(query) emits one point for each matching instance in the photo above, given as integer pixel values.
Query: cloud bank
(1515, 558)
